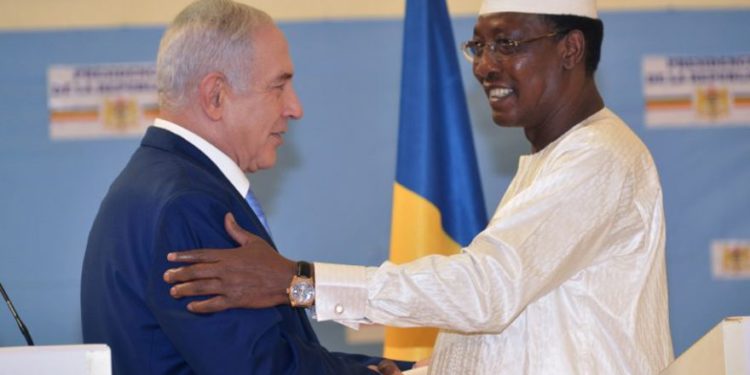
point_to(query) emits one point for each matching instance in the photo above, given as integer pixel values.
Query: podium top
(93, 359)
(725, 349)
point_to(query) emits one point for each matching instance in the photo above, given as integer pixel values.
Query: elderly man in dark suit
(226, 96)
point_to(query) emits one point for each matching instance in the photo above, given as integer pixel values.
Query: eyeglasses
(500, 48)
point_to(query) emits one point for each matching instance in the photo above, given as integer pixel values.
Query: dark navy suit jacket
(171, 197)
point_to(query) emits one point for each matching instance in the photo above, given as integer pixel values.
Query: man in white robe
(569, 276)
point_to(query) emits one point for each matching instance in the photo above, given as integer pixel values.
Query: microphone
(13, 312)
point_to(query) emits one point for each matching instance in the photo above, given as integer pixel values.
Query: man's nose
(485, 67)
(294, 106)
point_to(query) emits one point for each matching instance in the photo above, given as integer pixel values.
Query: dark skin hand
(253, 275)
(386, 367)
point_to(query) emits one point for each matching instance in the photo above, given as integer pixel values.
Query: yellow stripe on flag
(416, 231)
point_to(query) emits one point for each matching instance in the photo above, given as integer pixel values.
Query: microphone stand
(13, 312)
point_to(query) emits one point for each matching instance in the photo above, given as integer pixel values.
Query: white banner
(731, 259)
(101, 101)
(696, 91)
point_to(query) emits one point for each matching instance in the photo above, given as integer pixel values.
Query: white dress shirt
(569, 276)
(226, 165)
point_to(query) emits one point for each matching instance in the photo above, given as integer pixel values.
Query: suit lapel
(165, 140)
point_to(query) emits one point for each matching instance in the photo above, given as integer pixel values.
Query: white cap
(583, 8)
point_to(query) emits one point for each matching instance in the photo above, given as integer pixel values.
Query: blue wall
(329, 198)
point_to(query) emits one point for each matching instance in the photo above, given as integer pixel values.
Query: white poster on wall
(689, 91)
(101, 101)
(730, 259)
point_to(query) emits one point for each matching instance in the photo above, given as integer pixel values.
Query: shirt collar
(226, 165)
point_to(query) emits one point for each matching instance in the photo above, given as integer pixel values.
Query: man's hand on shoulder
(253, 275)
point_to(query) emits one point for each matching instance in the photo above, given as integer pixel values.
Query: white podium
(56, 360)
(725, 349)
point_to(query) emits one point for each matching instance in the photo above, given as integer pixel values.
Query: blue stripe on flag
(436, 157)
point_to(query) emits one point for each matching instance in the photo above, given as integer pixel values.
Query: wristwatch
(301, 291)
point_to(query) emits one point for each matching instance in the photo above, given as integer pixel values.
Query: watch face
(302, 292)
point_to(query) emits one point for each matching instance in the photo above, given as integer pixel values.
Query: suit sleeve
(236, 341)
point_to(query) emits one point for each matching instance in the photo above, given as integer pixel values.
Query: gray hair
(207, 36)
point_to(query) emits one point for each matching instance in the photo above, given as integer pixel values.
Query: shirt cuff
(341, 293)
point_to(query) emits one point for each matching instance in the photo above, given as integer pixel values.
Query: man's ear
(212, 92)
(573, 49)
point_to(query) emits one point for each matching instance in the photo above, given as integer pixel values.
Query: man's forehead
(506, 22)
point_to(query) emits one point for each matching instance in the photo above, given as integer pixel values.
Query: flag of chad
(438, 205)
